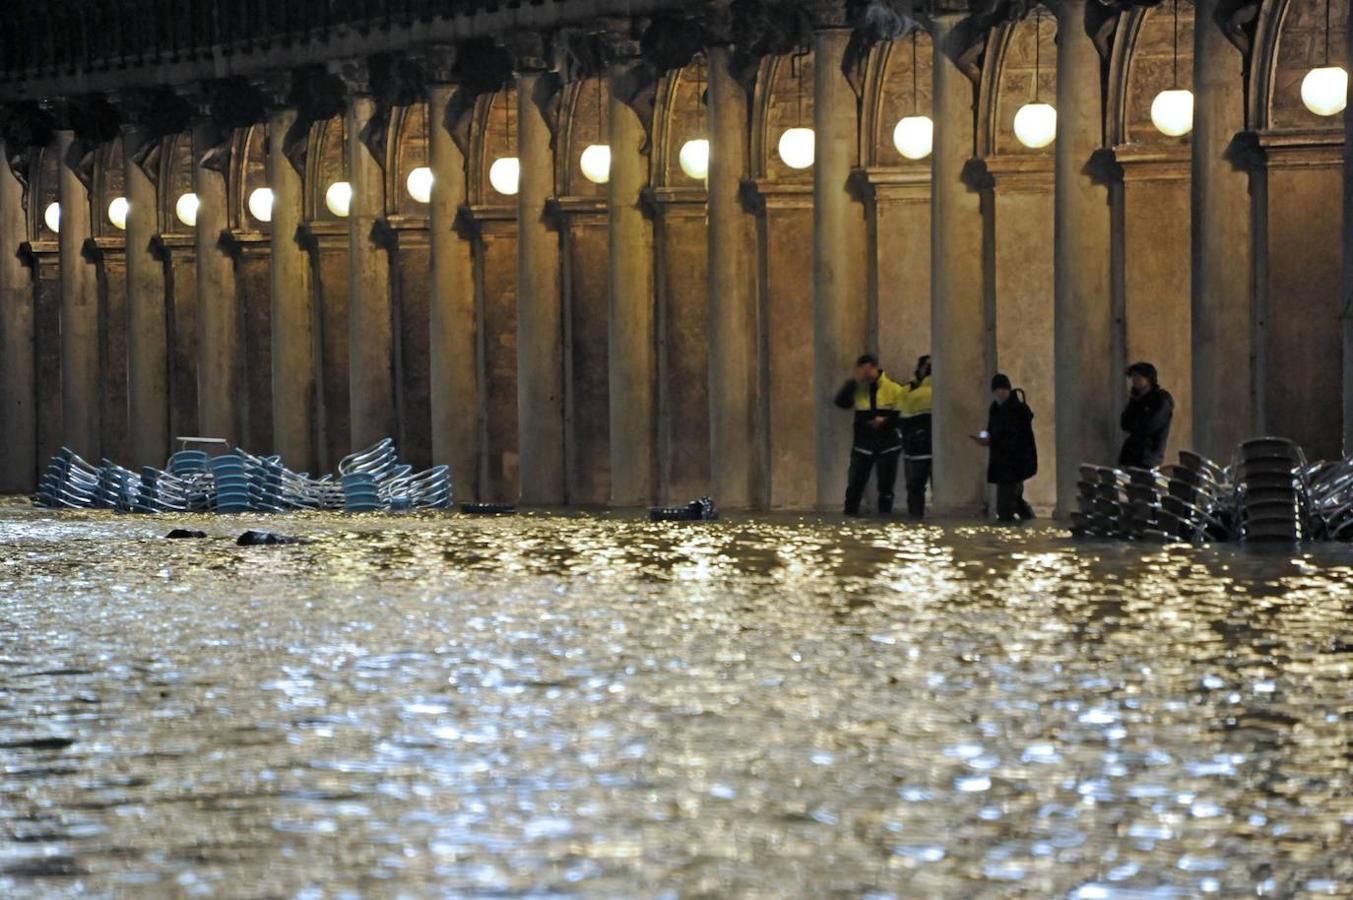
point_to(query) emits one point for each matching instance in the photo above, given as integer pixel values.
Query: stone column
(841, 301)
(18, 401)
(370, 322)
(633, 360)
(735, 461)
(80, 417)
(451, 313)
(1223, 401)
(1346, 306)
(540, 332)
(147, 336)
(1087, 394)
(960, 338)
(294, 364)
(219, 386)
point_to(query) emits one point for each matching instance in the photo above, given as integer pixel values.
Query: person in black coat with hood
(1146, 419)
(1014, 452)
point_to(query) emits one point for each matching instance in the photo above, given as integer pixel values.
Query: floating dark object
(701, 510)
(488, 509)
(41, 743)
(267, 538)
(184, 533)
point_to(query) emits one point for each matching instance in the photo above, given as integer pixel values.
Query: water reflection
(765, 707)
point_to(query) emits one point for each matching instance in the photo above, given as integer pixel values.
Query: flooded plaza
(592, 704)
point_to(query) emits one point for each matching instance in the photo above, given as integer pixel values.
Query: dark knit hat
(1000, 380)
(1144, 369)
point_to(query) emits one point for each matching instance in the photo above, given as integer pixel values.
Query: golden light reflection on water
(759, 707)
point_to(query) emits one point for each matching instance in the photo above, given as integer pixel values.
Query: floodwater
(765, 707)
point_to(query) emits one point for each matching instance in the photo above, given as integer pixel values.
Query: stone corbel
(1103, 167)
(356, 76)
(531, 53)
(384, 235)
(1238, 20)
(306, 238)
(465, 224)
(752, 199)
(317, 96)
(977, 176)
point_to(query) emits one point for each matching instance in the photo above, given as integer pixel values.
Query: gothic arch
(895, 88)
(681, 116)
(1015, 52)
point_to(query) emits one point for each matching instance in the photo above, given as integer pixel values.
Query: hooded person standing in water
(1014, 452)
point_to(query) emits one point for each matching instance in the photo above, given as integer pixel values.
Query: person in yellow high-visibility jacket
(876, 400)
(914, 419)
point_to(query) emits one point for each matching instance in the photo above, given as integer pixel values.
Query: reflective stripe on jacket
(880, 398)
(915, 418)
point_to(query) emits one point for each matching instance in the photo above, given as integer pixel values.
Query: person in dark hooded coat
(1014, 452)
(1146, 418)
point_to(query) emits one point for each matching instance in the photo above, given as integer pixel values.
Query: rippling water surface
(546, 705)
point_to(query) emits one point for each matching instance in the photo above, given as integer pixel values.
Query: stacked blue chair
(236, 481)
(117, 487)
(230, 483)
(361, 493)
(67, 483)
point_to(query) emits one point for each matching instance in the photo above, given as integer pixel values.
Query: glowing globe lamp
(505, 175)
(1036, 125)
(914, 136)
(419, 184)
(596, 163)
(1325, 90)
(796, 147)
(694, 159)
(338, 198)
(186, 209)
(260, 204)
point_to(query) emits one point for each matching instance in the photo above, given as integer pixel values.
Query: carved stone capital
(354, 74)
(530, 50)
(438, 63)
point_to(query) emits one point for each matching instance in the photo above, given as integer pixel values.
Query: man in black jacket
(1146, 419)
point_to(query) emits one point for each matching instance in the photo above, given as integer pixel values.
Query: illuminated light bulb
(1172, 112)
(260, 204)
(796, 147)
(694, 158)
(505, 175)
(1325, 90)
(914, 136)
(51, 216)
(419, 184)
(186, 209)
(1036, 125)
(117, 212)
(596, 163)
(338, 198)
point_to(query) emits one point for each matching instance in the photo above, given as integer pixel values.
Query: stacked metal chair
(230, 484)
(1330, 486)
(1195, 507)
(236, 481)
(1101, 501)
(68, 482)
(1271, 491)
(1142, 519)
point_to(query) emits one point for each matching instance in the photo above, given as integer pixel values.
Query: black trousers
(1010, 501)
(918, 476)
(861, 464)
